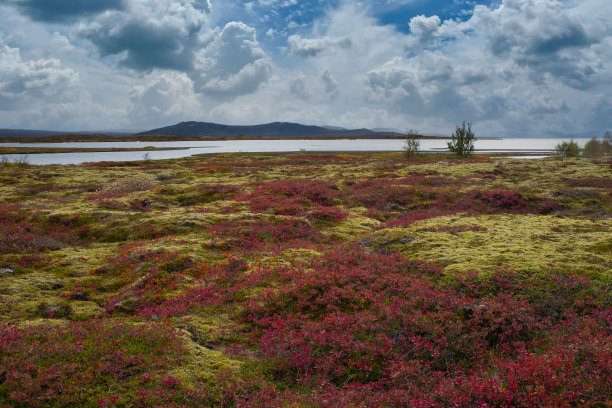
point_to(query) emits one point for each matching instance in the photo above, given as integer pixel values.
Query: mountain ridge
(270, 130)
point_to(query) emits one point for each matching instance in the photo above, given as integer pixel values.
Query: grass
(306, 280)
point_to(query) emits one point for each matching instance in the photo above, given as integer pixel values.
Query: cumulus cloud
(331, 86)
(539, 65)
(165, 98)
(64, 10)
(297, 87)
(232, 64)
(43, 93)
(542, 35)
(24, 83)
(150, 34)
(519, 61)
(424, 30)
(311, 47)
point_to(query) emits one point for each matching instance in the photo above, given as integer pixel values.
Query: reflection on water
(538, 147)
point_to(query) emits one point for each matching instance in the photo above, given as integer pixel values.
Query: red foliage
(595, 182)
(258, 234)
(23, 231)
(377, 331)
(51, 365)
(310, 198)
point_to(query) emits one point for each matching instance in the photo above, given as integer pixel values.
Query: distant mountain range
(206, 130)
(269, 130)
(45, 133)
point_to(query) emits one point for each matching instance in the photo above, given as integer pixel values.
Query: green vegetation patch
(516, 241)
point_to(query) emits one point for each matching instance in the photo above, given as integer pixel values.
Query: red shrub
(257, 234)
(311, 198)
(595, 182)
(76, 364)
(22, 231)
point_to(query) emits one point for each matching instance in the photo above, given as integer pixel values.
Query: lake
(517, 146)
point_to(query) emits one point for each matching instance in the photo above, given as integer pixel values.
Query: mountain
(270, 130)
(387, 130)
(334, 127)
(19, 133)
(27, 133)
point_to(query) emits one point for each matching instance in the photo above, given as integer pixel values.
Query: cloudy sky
(512, 67)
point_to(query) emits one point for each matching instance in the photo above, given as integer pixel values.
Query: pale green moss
(352, 227)
(83, 310)
(519, 242)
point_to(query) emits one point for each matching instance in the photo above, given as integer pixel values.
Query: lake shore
(75, 153)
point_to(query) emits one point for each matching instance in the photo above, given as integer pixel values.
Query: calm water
(537, 147)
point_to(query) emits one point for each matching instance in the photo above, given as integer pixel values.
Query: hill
(270, 130)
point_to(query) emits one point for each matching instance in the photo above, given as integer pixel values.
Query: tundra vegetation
(307, 280)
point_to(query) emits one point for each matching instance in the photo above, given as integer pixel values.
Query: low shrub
(252, 235)
(568, 149)
(82, 362)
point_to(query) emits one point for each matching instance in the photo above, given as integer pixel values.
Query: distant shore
(77, 138)
(43, 150)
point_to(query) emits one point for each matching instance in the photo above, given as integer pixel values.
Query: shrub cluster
(306, 198)
(596, 148)
(568, 149)
(83, 363)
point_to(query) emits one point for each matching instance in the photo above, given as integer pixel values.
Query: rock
(79, 296)
(468, 310)
(7, 271)
(140, 283)
(577, 193)
(54, 311)
(394, 207)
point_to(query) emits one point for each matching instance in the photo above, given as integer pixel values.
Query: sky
(511, 67)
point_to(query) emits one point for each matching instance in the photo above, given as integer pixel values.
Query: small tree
(595, 148)
(607, 141)
(411, 148)
(568, 149)
(462, 142)
(592, 148)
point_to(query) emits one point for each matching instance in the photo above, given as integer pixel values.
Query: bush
(411, 148)
(568, 149)
(595, 148)
(83, 362)
(462, 143)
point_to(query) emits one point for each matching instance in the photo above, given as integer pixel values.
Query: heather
(307, 280)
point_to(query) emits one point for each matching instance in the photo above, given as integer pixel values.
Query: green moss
(202, 337)
(352, 227)
(519, 242)
(84, 310)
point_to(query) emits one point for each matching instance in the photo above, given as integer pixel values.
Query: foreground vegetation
(307, 281)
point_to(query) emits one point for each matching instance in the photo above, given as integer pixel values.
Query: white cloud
(307, 47)
(150, 34)
(425, 30)
(529, 66)
(232, 63)
(331, 85)
(166, 97)
(24, 83)
(43, 93)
